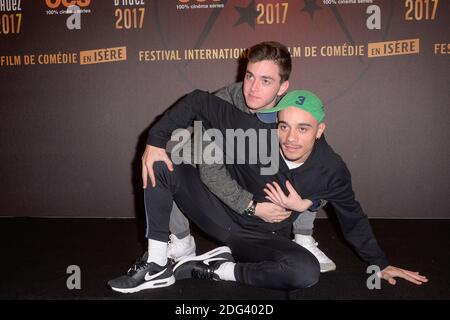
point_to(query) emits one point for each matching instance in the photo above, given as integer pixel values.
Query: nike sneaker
(143, 275)
(178, 249)
(203, 266)
(308, 242)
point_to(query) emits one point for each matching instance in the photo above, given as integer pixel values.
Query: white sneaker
(178, 249)
(308, 242)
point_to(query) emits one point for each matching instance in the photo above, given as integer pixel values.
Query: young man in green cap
(262, 252)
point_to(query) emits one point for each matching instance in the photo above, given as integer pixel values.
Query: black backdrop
(72, 131)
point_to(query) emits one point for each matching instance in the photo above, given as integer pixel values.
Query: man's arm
(215, 176)
(203, 106)
(353, 221)
(198, 105)
(219, 181)
(356, 228)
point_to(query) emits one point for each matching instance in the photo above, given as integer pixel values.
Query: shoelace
(171, 245)
(138, 265)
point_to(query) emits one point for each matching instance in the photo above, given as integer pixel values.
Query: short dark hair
(274, 51)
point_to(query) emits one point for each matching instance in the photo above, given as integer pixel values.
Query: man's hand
(151, 155)
(291, 202)
(390, 273)
(270, 212)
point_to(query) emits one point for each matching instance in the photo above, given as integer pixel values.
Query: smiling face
(262, 85)
(297, 132)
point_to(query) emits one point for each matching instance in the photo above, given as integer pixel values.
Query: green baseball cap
(301, 99)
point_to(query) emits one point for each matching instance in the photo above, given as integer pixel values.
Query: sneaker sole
(327, 269)
(160, 283)
(204, 256)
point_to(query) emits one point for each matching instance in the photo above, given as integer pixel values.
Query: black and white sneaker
(203, 266)
(143, 275)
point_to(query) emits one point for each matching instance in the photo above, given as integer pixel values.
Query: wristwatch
(250, 211)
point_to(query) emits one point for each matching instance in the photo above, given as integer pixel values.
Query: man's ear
(283, 88)
(321, 129)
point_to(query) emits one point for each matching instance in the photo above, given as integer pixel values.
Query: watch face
(250, 211)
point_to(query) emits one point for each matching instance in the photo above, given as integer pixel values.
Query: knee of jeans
(303, 273)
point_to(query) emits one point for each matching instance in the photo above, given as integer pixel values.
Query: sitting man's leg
(303, 229)
(263, 260)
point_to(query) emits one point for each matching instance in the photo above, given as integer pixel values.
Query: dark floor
(35, 254)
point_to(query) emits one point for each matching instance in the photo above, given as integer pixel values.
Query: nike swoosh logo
(207, 261)
(149, 277)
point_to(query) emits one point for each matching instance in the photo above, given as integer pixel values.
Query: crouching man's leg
(273, 261)
(181, 243)
(183, 185)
